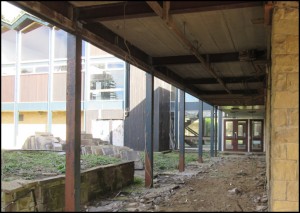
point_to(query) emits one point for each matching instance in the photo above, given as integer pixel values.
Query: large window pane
(35, 44)
(8, 47)
(8, 69)
(96, 52)
(206, 127)
(108, 85)
(60, 46)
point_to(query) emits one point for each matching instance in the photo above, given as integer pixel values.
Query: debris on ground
(227, 183)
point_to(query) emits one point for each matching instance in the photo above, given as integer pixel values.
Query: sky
(9, 11)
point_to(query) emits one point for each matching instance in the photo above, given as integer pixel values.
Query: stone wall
(284, 111)
(50, 193)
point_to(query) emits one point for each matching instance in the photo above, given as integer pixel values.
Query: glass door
(256, 135)
(235, 135)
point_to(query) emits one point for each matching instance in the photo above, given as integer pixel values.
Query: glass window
(60, 46)
(27, 70)
(106, 84)
(41, 69)
(206, 126)
(229, 144)
(256, 129)
(96, 52)
(8, 47)
(190, 98)
(35, 44)
(229, 128)
(256, 145)
(84, 43)
(241, 130)
(8, 69)
(115, 65)
(37, 67)
(60, 68)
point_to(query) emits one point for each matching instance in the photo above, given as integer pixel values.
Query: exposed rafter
(236, 92)
(234, 99)
(213, 58)
(228, 80)
(172, 26)
(138, 9)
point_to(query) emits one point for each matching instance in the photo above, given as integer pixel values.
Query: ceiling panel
(150, 34)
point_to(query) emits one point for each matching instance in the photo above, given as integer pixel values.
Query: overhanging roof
(215, 50)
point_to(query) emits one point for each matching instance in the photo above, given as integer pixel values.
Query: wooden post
(73, 122)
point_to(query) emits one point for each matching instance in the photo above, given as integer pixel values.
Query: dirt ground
(228, 183)
(232, 184)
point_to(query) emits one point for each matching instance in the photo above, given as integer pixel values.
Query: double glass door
(235, 135)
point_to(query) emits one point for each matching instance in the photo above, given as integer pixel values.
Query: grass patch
(137, 186)
(169, 161)
(32, 164)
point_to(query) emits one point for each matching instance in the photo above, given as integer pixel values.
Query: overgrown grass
(169, 161)
(32, 164)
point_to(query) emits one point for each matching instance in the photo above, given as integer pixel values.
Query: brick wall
(284, 109)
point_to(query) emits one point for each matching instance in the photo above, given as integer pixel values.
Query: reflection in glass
(206, 127)
(60, 45)
(95, 51)
(27, 70)
(61, 68)
(241, 144)
(229, 128)
(241, 130)
(35, 44)
(8, 69)
(8, 46)
(256, 145)
(229, 144)
(41, 69)
(107, 85)
(256, 130)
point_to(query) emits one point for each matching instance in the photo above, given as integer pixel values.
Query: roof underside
(215, 50)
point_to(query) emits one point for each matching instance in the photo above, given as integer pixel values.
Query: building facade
(33, 84)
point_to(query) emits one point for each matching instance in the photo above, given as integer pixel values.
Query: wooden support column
(200, 131)
(149, 131)
(181, 130)
(73, 122)
(212, 131)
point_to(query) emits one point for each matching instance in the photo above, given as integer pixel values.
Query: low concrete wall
(50, 193)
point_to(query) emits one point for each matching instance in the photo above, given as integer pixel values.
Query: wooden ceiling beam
(138, 9)
(234, 100)
(227, 80)
(116, 11)
(248, 92)
(213, 58)
(182, 38)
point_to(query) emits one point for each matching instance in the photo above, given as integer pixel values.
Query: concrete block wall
(284, 109)
(50, 192)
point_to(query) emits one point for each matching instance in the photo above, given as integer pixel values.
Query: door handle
(235, 135)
